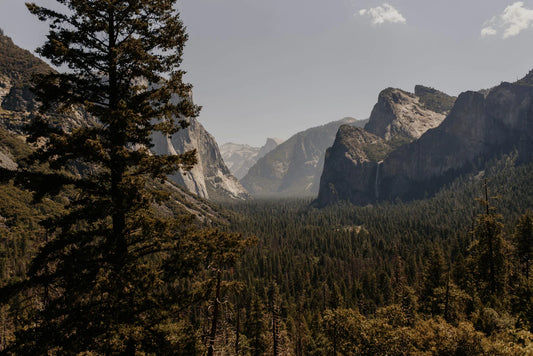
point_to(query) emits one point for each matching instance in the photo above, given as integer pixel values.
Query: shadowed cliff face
(355, 154)
(477, 129)
(293, 168)
(353, 164)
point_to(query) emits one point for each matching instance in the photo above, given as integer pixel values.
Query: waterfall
(376, 185)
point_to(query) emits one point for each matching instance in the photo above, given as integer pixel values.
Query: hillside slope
(293, 168)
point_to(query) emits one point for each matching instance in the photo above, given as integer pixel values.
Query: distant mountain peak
(270, 144)
(240, 157)
(293, 168)
(275, 140)
(527, 79)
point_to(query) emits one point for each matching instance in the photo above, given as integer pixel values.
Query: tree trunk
(237, 332)
(214, 321)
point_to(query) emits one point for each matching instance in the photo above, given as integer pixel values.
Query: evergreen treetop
(108, 278)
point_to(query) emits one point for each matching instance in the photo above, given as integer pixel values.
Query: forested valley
(102, 254)
(445, 275)
(395, 278)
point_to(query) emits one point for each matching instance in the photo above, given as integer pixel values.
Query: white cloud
(384, 13)
(488, 31)
(513, 20)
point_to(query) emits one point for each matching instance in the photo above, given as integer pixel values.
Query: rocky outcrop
(294, 167)
(478, 128)
(356, 154)
(352, 168)
(209, 178)
(7, 162)
(435, 100)
(239, 157)
(401, 117)
(17, 66)
(17, 102)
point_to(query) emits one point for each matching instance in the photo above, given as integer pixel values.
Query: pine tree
(489, 253)
(256, 327)
(523, 240)
(274, 301)
(434, 277)
(522, 288)
(115, 276)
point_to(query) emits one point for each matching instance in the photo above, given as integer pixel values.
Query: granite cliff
(356, 154)
(209, 178)
(477, 129)
(17, 107)
(401, 117)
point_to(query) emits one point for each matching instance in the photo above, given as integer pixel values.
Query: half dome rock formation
(270, 144)
(209, 178)
(477, 129)
(293, 168)
(240, 157)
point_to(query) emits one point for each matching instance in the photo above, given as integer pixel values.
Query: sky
(272, 68)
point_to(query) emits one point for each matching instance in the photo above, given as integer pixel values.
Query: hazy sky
(270, 68)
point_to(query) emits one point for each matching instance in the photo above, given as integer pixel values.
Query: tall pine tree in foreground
(114, 276)
(489, 254)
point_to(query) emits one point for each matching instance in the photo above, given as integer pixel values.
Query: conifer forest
(101, 254)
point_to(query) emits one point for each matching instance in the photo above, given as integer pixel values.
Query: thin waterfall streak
(376, 185)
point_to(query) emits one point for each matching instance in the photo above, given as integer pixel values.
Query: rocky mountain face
(16, 101)
(16, 68)
(398, 118)
(477, 129)
(209, 178)
(401, 117)
(357, 154)
(293, 168)
(240, 157)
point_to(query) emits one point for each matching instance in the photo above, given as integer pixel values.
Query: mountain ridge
(240, 157)
(479, 127)
(293, 168)
(18, 107)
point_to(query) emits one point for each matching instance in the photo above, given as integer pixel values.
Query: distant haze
(272, 68)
